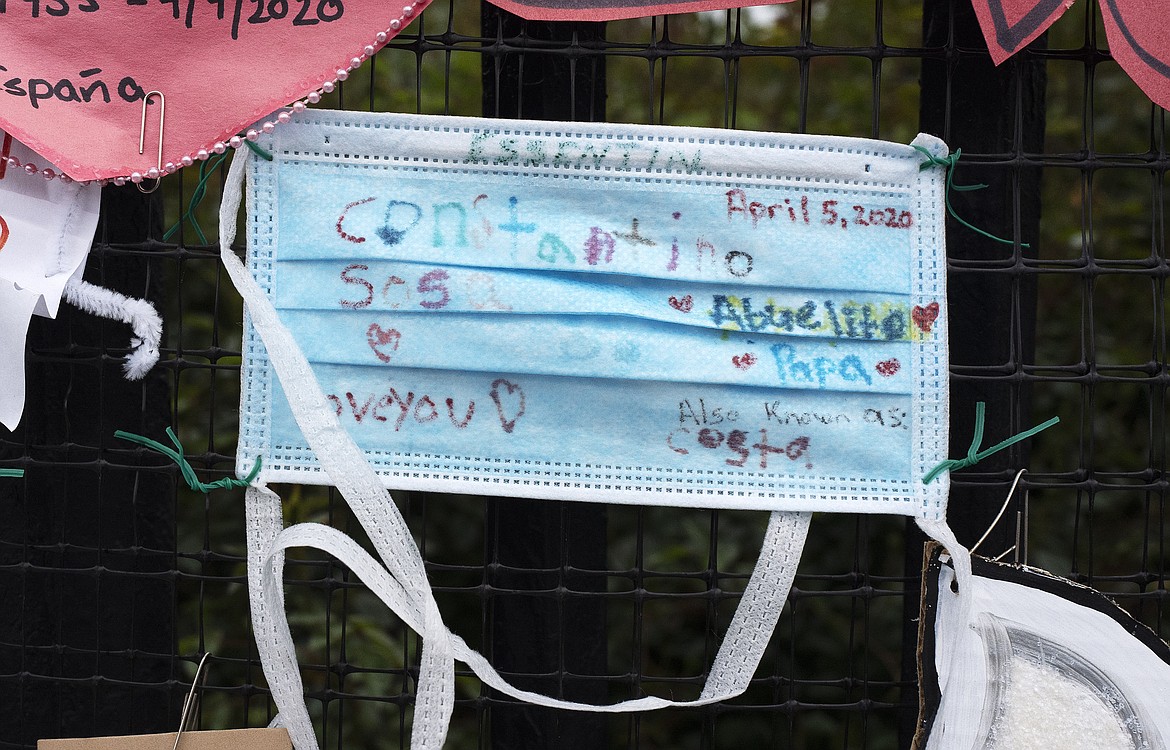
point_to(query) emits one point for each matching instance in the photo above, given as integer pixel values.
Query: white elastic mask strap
(733, 668)
(961, 559)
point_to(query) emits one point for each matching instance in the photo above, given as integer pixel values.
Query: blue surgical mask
(606, 314)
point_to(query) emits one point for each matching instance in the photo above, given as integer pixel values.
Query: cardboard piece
(221, 739)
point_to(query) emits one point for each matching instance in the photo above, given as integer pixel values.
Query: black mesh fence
(115, 578)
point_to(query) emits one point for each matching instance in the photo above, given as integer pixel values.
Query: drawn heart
(683, 305)
(81, 103)
(3, 233)
(515, 405)
(888, 367)
(744, 361)
(1010, 24)
(924, 317)
(380, 338)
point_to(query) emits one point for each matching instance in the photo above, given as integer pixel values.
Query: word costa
(739, 443)
(86, 89)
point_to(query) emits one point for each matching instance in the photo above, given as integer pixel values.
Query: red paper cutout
(221, 65)
(1139, 37)
(1010, 25)
(612, 10)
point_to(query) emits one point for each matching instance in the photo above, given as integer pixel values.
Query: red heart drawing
(682, 305)
(888, 367)
(382, 337)
(511, 388)
(924, 317)
(81, 102)
(744, 361)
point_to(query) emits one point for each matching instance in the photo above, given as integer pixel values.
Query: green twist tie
(949, 162)
(206, 172)
(187, 470)
(12, 473)
(974, 455)
(259, 151)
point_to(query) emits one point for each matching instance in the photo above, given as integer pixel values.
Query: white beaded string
(236, 141)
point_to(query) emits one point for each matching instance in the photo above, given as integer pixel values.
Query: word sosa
(604, 312)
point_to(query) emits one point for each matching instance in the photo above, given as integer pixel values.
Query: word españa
(86, 89)
(854, 321)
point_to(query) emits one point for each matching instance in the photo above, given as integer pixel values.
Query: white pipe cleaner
(139, 313)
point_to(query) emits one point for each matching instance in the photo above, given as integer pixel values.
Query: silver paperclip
(192, 700)
(162, 116)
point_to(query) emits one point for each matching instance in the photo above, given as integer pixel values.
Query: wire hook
(1002, 509)
(192, 700)
(162, 115)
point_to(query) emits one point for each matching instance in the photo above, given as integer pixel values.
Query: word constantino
(485, 221)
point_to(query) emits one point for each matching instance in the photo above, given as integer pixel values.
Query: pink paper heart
(221, 66)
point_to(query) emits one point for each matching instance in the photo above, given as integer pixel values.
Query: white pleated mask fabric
(790, 405)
